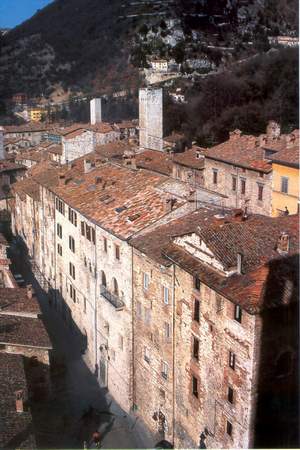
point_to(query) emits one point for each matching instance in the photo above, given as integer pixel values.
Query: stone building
(207, 382)
(17, 430)
(239, 170)
(151, 118)
(188, 166)
(76, 144)
(84, 215)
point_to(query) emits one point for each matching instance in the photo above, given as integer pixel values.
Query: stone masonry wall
(235, 198)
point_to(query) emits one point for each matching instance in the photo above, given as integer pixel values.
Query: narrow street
(78, 406)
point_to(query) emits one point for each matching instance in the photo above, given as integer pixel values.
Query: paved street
(65, 420)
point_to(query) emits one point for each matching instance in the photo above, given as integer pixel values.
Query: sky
(14, 12)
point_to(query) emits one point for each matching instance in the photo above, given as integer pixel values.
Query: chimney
(262, 140)
(239, 263)
(87, 165)
(234, 134)
(169, 203)
(283, 243)
(273, 130)
(29, 291)
(290, 140)
(98, 180)
(96, 110)
(19, 396)
(129, 159)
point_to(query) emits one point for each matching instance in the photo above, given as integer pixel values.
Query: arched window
(103, 278)
(115, 287)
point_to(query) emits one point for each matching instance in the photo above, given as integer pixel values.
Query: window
(121, 342)
(195, 348)
(231, 360)
(145, 281)
(147, 354)
(215, 176)
(233, 183)
(93, 236)
(147, 315)
(260, 192)
(197, 283)
(59, 249)
(84, 305)
(60, 206)
(229, 428)
(117, 252)
(230, 394)
(243, 186)
(72, 217)
(72, 244)
(82, 228)
(59, 230)
(88, 232)
(105, 244)
(72, 270)
(219, 303)
(238, 313)
(165, 370)
(139, 309)
(73, 293)
(103, 278)
(115, 287)
(166, 295)
(167, 330)
(284, 185)
(195, 386)
(196, 315)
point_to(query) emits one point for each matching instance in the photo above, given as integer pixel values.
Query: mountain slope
(98, 45)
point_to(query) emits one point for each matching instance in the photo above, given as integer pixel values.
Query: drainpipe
(132, 331)
(95, 304)
(173, 352)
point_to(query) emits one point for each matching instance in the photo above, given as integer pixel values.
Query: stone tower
(96, 110)
(2, 153)
(151, 118)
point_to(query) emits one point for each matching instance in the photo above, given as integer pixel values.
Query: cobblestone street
(78, 406)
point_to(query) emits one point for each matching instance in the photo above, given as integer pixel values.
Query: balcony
(112, 298)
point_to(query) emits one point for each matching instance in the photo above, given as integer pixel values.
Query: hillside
(99, 46)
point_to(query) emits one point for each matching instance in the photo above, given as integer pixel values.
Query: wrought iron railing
(112, 298)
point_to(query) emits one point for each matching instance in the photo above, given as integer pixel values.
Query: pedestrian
(96, 439)
(286, 212)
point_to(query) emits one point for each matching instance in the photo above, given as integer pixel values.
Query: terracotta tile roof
(99, 194)
(113, 150)
(28, 331)
(74, 134)
(157, 161)
(152, 243)
(55, 149)
(240, 150)
(28, 127)
(288, 156)
(16, 429)
(264, 269)
(190, 158)
(101, 127)
(15, 300)
(31, 155)
(6, 166)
